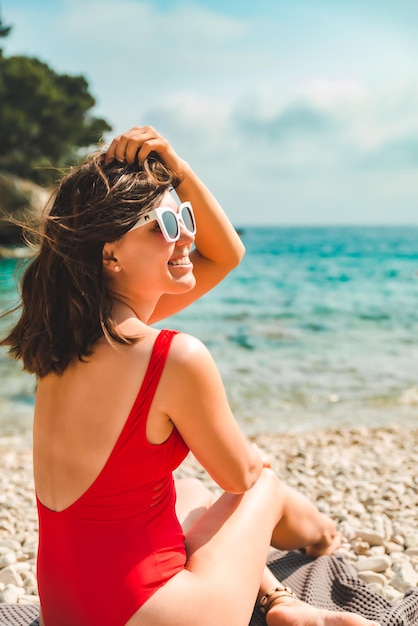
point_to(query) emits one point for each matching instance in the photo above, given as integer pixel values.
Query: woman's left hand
(138, 143)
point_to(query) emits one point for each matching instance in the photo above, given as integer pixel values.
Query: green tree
(4, 30)
(44, 118)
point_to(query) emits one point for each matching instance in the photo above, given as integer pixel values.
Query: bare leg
(227, 548)
(301, 519)
(194, 499)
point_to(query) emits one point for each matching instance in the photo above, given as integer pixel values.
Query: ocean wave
(409, 397)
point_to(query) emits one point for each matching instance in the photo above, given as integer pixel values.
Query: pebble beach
(366, 479)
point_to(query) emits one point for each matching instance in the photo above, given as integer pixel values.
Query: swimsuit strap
(149, 385)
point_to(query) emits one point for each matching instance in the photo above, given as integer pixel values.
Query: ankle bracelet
(267, 601)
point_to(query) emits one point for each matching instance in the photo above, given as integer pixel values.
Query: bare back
(80, 414)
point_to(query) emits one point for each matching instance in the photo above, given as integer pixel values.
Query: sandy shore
(366, 479)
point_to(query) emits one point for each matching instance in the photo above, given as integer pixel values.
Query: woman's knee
(271, 480)
(271, 490)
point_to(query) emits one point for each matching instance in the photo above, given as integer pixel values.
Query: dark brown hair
(65, 307)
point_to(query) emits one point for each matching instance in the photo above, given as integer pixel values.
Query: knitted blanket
(329, 582)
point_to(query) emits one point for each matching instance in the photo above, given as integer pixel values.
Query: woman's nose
(186, 236)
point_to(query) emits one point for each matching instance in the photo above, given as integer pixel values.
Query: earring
(117, 268)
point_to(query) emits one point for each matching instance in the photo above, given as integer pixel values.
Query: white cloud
(327, 94)
(342, 158)
(200, 124)
(262, 106)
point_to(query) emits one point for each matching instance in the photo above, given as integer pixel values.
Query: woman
(119, 405)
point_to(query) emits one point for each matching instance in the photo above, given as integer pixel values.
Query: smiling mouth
(183, 261)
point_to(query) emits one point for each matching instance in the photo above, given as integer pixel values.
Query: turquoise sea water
(317, 327)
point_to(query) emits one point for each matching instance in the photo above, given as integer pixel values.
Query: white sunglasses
(169, 221)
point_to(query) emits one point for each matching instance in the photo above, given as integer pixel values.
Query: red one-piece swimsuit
(102, 557)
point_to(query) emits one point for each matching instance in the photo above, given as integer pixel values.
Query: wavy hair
(65, 307)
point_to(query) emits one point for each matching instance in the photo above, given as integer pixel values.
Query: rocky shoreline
(366, 479)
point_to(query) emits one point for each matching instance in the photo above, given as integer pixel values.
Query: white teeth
(183, 261)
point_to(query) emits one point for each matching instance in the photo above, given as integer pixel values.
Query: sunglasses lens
(171, 224)
(188, 219)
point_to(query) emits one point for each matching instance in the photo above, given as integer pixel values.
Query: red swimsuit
(102, 557)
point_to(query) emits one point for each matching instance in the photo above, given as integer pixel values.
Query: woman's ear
(110, 262)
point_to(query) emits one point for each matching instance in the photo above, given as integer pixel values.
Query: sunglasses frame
(156, 215)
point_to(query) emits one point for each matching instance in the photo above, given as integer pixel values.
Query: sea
(316, 329)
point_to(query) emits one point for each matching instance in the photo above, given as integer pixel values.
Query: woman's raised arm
(218, 248)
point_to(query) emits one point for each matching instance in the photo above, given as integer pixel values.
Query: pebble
(7, 559)
(363, 478)
(373, 564)
(392, 547)
(405, 577)
(372, 578)
(9, 594)
(411, 540)
(9, 576)
(361, 547)
(373, 538)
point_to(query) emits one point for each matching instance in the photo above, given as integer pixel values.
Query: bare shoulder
(191, 369)
(188, 352)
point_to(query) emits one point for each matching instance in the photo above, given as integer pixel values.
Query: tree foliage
(44, 118)
(4, 30)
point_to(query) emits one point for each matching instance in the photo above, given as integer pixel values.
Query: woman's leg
(300, 520)
(227, 548)
(193, 499)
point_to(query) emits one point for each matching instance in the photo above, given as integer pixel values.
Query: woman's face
(150, 266)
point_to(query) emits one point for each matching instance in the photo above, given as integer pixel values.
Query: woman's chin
(183, 274)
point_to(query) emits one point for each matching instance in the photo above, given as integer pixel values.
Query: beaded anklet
(267, 601)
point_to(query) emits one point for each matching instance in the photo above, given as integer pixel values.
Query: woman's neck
(129, 318)
(125, 309)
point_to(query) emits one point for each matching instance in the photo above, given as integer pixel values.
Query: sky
(293, 112)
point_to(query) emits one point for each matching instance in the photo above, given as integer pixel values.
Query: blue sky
(293, 111)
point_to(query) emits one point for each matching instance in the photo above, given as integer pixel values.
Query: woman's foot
(290, 612)
(329, 542)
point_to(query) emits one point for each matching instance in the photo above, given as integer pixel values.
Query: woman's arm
(194, 399)
(218, 248)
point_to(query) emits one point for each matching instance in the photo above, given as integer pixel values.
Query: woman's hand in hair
(138, 143)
